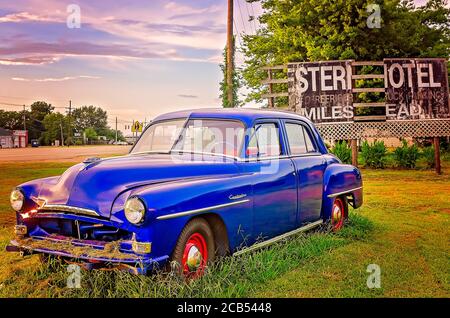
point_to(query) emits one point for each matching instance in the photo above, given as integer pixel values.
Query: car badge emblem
(237, 196)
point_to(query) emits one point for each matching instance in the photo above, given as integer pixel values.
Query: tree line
(83, 124)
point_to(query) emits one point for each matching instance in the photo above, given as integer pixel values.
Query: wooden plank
(382, 104)
(275, 95)
(367, 76)
(368, 90)
(354, 147)
(275, 67)
(275, 81)
(366, 63)
(271, 100)
(372, 117)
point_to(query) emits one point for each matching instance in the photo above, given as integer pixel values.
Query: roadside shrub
(406, 156)
(342, 151)
(374, 155)
(427, 141)
(428, 155)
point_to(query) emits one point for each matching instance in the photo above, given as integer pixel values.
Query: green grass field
(403, 227)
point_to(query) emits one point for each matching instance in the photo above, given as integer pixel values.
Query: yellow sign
(137, 126)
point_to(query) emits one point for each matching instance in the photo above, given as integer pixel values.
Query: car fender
(341, 179)
(171, 205)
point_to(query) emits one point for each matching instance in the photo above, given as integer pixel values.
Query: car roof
(247, 115)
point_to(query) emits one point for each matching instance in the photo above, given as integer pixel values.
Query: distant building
(6, 140)
(13, 138)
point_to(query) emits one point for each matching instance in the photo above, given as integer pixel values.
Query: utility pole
(62, 135)
(24, 119)
(116, 129)
(230, 50)
(69, 123)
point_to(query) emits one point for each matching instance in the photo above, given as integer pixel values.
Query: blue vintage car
(197, 185)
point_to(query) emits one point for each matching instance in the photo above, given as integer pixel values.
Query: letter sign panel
(322, 91)
(416, 89)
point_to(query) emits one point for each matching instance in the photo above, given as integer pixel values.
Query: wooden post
(437, 155)
(354, 147)
(230, 54)
(271, 99)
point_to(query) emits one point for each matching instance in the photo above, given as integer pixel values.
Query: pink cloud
(55, 79)
(82, 48)
(29, 60)
(26, 17)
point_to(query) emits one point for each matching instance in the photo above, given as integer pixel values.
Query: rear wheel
(195, 249)
(339, 213)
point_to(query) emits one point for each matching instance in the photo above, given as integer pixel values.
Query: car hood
(95, 185)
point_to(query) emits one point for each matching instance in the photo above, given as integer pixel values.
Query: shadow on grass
(229, 277)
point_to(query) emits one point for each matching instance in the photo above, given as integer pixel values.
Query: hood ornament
(91, 160)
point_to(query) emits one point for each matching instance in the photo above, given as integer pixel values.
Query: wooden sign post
(437, 155)
(354, 146)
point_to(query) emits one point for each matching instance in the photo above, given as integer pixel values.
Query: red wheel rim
(195, 255)
(337, 214)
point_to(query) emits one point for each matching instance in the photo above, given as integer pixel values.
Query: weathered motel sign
(414, 89)
(322, 90)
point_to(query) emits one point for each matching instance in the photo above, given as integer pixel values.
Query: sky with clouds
(134, 58)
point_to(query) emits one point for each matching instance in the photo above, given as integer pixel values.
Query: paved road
(75, 153)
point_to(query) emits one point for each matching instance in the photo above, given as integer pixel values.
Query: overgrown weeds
(374, 155)
(229, 277)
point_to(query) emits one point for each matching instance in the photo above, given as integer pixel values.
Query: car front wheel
(195, 249)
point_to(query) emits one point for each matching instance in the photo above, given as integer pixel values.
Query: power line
(242, 17)
(13, 105)
(254, 16)
(249, 17)
(26, 106)
(237, 33)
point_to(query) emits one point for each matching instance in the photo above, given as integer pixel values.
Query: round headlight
(16, 200)
(134, 210)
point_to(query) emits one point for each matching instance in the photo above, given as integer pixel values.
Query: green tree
(35, 117)
(11, 119)
(55, 125)
(224, 85)
(90, 134)
(89, 117)
(110, 134)
(314, 30)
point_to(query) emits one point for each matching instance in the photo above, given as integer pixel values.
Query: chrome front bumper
(117, 253)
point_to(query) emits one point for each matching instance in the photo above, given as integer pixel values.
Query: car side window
(264, 141)
(299, 139)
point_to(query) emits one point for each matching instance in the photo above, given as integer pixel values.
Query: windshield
(206, 136)
(160, 137)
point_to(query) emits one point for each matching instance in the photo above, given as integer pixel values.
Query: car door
(274, 185)
(309, 166)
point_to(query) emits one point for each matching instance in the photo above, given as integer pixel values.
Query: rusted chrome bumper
(87, 253)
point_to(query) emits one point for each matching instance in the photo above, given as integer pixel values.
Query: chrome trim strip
(278, 238)
(179, 214)
(68, 208)
(333, 195)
